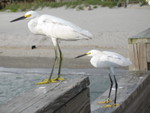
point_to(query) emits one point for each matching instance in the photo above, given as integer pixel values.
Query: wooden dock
(139, 51)
(72, 96)
(69, 96)
(133, 95)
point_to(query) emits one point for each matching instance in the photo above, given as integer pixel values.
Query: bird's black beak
(81, 55)
(20, 18)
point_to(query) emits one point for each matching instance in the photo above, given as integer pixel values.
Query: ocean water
(15, 81)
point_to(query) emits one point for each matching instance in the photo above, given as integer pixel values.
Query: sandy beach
(111, 29)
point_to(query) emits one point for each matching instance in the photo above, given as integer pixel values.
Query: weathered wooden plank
(133, 95)
(139, 98)
(138, 56)
(139, 50)
(133, 57)
(29, 98)
(46, 98)
(133, 54)
(138, 40)
(142, 56)
(148, 52)
(80, 104)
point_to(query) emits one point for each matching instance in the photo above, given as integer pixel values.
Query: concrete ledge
(62, 97)
(133, 95)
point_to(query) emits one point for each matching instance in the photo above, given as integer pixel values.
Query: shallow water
(14, 81)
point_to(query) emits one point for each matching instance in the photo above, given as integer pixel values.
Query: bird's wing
(48, 19)
(117, 58)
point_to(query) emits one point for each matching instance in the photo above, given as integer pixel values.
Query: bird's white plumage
(107, 59)
(110, 60)
(58, 28)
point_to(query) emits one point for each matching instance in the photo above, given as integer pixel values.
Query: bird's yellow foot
(106, 101)
(59, 78)
(46, 81)
(112, 105)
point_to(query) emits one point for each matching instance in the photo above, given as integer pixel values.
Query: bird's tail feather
(87, 35)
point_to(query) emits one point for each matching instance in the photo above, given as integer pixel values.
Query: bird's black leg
(111, 84)
(56, 58)
(50, 77)
(60, 64)
(116, 87)
(108, 99)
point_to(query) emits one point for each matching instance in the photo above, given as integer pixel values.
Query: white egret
(110, 60)
(56, 29)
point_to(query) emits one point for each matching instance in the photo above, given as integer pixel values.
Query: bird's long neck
(94, 60)
(32, 24)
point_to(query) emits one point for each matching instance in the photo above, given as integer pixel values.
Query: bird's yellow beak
(83, 55)
(21, 18)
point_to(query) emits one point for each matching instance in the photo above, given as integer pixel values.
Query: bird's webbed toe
(108, 100)
(111, 105)
(46, 81)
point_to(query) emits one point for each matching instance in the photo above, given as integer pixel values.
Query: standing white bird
(56, 29)
(110, 60)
